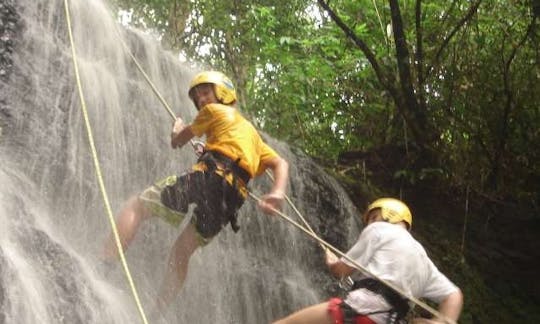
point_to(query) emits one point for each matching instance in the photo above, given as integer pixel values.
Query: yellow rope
(98, 169)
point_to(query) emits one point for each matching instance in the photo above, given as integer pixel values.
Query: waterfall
(53, 220)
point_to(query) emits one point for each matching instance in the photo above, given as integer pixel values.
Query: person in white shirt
(387, 251)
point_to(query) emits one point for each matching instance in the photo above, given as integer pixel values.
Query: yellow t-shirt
(229, 133)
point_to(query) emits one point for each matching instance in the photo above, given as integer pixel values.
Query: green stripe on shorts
(151, 198)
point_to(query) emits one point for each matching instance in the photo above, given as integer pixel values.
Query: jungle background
(435, 102)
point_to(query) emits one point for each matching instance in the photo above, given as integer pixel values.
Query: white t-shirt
(390, 253)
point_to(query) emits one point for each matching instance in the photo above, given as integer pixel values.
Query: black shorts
(217, 201)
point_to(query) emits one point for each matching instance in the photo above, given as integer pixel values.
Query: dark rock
(9, 29)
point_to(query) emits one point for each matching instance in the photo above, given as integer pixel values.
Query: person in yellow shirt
(234, 153)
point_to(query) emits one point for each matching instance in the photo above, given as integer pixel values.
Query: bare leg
(127, 223)
(177, 266)
(316, 314)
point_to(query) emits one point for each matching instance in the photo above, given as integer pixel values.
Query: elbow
(283, 166)
(452, 305)
(279, 166)
(458, 300)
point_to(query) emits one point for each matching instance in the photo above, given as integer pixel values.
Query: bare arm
(451, 305)
(181, 133)
(338, 268)
(280, 169)
(274, 199)
(450, 308)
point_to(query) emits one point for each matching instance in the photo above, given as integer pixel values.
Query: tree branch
(509, 104)
(419, 57)
(465, 19)
(447, 12)
(383, 78)
(535, 5)
(404, 96)
(404, 68)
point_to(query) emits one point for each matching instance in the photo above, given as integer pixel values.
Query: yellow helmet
(223, 86)
(392, 211)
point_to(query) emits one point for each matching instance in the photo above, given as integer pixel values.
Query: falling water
(53, 220)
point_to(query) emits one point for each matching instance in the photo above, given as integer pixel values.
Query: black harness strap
(350, 316)
(213, 159)
(400, 305)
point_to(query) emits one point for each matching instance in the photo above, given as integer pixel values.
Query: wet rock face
(9, 29)
(9, 26)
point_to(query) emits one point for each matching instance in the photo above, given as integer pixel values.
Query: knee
(132, 212)
(137, 207)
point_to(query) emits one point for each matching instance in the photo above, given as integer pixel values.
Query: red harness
(335, 308)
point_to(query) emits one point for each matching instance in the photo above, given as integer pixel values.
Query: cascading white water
(52, 217)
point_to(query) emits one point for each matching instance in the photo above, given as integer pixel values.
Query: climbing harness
(343, 313)
(216, 160)
(98, 168)
(346, 283)
(217, 185)
(400, 306)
